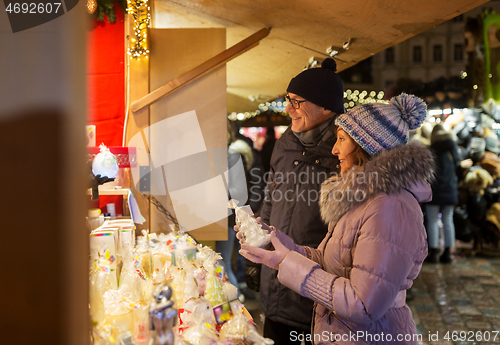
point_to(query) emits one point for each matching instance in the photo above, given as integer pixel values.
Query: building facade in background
(438, 52)
(445, 65)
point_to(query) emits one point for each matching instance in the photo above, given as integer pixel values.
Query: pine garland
(107, 7)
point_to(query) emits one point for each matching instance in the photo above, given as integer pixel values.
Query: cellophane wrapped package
(214, 289)
(201, 334)
(236, 329)
(120, 307)
(99, 284)
(230, 290)
(102, 277)
(191, 288)
(185, 250)
(103, 335)
(198, 311)
(130, 281)
(103, 255)
(126, 309)
(249, 227)
(141, 332)
(242, 332)
(144, 251)
(118, 312)
(162, 259)
(178, 284)
(200, 275)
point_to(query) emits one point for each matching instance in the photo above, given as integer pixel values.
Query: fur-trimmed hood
(408, 166)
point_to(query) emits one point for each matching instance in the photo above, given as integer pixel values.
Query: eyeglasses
(295, 103)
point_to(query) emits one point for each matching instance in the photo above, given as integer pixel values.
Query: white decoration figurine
(249, 227)
(105, 163)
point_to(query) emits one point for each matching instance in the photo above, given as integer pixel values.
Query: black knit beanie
(321, 86)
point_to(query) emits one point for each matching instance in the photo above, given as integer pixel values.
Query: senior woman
(376, 242)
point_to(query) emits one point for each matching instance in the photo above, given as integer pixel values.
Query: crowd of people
(465, 189)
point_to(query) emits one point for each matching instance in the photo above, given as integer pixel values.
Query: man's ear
(327, 112)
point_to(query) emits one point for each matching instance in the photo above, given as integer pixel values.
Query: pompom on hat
(321, 86)
(378, 126)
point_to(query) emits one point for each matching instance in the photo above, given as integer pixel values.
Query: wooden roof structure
(300, 30)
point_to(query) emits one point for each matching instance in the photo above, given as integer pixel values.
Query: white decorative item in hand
(249, 227)
(105, 163)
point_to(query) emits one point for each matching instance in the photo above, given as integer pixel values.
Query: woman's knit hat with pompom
(321, 86)
(378, 126)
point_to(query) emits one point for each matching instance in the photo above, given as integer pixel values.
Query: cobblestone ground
(458, 303)
(448, 299)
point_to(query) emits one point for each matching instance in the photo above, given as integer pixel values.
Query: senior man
(300, 162)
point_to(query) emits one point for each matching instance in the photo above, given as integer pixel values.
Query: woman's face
(343, 149)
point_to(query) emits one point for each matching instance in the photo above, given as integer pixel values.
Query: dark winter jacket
(445, 186)
(291, 205)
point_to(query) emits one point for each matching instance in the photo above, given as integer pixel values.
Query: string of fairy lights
(351, 98)
(354, 98)
(139, 10)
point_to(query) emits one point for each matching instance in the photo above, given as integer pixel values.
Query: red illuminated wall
(106, 86)
(106, 79)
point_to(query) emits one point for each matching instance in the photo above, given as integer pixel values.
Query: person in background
(237, 150)
(376, 241)
(267, 148)
(256, 185)
(301, 161)
(423, 134)
(255, 172)
(444, 194)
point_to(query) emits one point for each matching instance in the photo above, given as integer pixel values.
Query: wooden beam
(197, 72)
(138, 81)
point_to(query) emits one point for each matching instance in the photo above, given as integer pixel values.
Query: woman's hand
(284, 239)
(240, 236)
(271, 258)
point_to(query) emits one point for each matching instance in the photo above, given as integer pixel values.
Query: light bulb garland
(276, 107)
(356, 97)
(139, 10)
(351, 99)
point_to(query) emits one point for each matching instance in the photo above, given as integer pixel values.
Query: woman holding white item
(376, 240)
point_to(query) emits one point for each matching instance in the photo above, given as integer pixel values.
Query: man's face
(308, 116)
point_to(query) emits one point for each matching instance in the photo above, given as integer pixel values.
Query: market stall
(43, 113)
(165, 288)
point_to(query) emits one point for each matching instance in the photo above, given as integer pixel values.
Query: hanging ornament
(91, 6)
